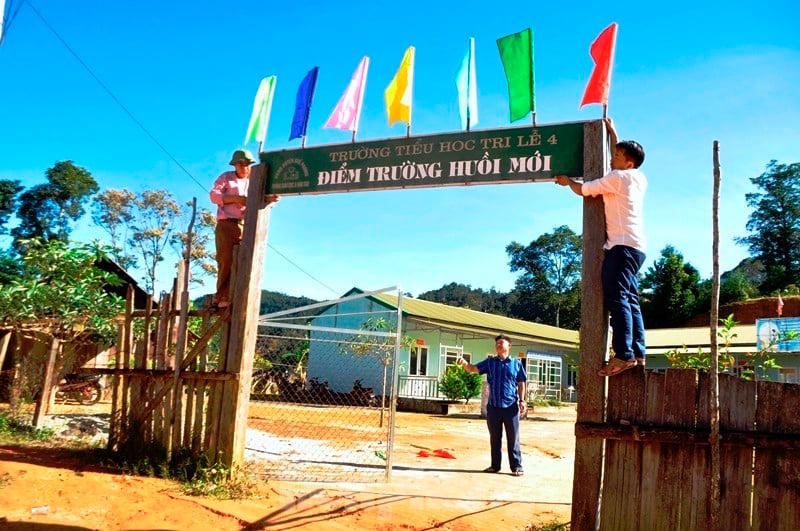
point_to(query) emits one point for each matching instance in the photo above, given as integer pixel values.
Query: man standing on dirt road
(506, 377)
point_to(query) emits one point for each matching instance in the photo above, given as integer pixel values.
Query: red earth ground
(48, 489)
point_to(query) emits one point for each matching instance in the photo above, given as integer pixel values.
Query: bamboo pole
(714, 438)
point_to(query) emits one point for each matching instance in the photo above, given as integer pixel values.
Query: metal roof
(481, 323)
(661, 340)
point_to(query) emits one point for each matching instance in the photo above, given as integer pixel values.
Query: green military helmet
(242, 155)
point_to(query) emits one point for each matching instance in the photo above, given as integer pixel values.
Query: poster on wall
(778, 335)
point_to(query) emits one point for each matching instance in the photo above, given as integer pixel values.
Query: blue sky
(685, 74)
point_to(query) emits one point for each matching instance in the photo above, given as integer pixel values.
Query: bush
(457, 383)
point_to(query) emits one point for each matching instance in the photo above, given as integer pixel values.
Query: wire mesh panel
(322, 398)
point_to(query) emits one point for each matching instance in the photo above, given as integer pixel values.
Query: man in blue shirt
(506, 377)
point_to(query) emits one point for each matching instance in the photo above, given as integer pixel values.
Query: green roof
(481, 323)
(661, 340)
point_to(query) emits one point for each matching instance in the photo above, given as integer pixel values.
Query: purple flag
(302, 106)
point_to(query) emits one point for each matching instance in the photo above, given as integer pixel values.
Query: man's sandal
(490, 470)
(616, 366)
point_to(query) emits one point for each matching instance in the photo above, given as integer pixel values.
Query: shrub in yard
(456, 383)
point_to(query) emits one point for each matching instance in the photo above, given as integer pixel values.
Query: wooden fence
(167, 390)
(657, 458)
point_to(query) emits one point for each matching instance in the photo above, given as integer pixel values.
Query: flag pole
(605, 111)
(303, 142)
(408, 130)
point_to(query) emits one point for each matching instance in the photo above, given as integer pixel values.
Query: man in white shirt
(623, 190)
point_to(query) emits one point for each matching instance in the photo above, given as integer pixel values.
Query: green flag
(516, 53)
(262, 106)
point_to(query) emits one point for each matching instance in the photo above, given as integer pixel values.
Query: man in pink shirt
(623, 190)
(229, 193)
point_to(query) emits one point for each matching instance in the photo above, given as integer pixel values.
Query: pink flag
(780, 305)
(347, 111)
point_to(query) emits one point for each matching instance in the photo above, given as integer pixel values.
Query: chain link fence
(322, 399)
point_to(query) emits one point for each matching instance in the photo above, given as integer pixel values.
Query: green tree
(61, 294)
(735, 286)
(464, 296)
(548, 288)
(774, 225)
(8, 194)
(111, 211)
(148, 227)
(670, 289)
(47, 211)
(456, 383)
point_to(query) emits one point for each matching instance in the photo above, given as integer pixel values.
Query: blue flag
(302, 107)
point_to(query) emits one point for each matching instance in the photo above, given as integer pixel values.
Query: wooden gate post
(245, 304)
(593, 337)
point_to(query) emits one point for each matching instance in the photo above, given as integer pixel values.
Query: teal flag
(516, 53)
(467, 84)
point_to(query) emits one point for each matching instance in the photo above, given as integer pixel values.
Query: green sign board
(520, 154)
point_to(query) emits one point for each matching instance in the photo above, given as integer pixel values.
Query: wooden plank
(621, 485)
(696, 497)
(737, 400)
(671, 402)
(211, 445)
(116, 388)
(162, 333)
(683, 395)
(655, 385)
(47, 384)
(623, 459)
(126, 364)
(588, 467)
(626, 397)
(672, 434)
(147, 327)
(189, 414)
(654, 406)
(680, 398)
(776, 491)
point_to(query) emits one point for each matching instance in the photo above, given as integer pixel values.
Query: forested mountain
(273, 301)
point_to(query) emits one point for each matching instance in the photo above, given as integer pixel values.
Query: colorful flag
(398, 93)
(602, 52)
(346, 113)
(302, 106)
(2, 17)
(780, 305)
(516, 53)
(257, 130)
(467, 84)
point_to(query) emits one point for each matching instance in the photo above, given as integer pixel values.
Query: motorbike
(84, 388)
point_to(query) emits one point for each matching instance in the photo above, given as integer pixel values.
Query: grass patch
(541, 402)
(555, 525)
(12, 431)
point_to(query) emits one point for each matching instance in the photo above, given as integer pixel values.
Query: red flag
(602, 52)
(780, 305)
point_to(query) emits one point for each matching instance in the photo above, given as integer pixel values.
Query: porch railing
(411, 386)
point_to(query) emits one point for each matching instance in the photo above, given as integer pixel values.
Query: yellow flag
(398, 93)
